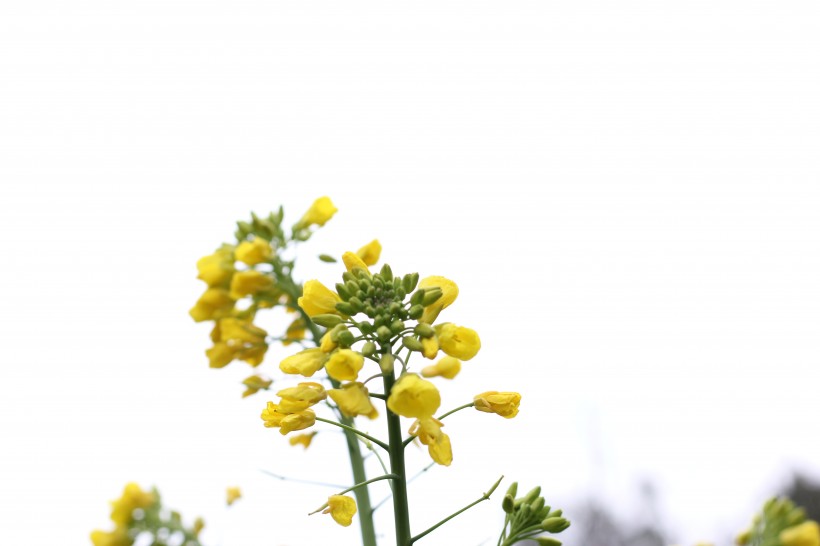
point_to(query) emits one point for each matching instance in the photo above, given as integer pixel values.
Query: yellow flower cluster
(122, 513)
(293, 410)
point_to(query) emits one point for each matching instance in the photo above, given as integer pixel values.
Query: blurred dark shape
(805, 492)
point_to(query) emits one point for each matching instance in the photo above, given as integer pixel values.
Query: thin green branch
(355, 431)
(358, 485)
(298, 480)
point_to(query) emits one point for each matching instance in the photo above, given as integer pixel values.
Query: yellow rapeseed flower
(805, 534)
(429, 347)
(370, 252)
(504, 404)
(341, 508)
(319, 213)
(344, 365)
(248, 283)
(216, 269)
(305, 363)
(352, 261)
(232, 494)
(412, 396)
(254, 384)
(254, 252)
(327, 344)
(428, 431)
(318, 299)
(309, 392)
(354, 400)
(133, 497)
(238, 331)
(449, 294)
(299, 420)
(458, 341)
(117, 537)
(279, 416)
(448, 367)
(302, 439)
(215, 303)
(220, 355)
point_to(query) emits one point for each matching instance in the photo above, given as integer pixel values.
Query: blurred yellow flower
(254, 384)
(305, 363)
(412, 396)
(448, 367)
(302, 439)
(309, 392)
(254, 252)
(458, 341)
(215, 303)
(133, 497)
(216, 269)
(297, 421)
(344, 365)
(327, 344)
(449, 294)
(220, 355)
(319, 213)
(504, 404)
(318, 299)
(341, 508)
(233, 494)
(248, 283)
(117, 537)
(352, 261)
(354, 400)
(370, 252)
(805, 534)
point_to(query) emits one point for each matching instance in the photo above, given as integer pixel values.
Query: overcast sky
(626, 194)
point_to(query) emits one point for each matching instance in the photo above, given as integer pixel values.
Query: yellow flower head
(319, 213)
(412, 396)
(438, 445)
(318, 299)
(232, 495)
(249, 282)
(344, 365)
(352, 261)
(305, 363)
(448, 367)
(216, 269)
(370, 252)
(458, 341)
(254, 384)
(117, 537)
(341, 508)
(504, 404)
(133, 497)
(215, 303)
(449, 294)
(805, 534)
(354, 400)
(254, 252)
(309, 392)
(302, 439)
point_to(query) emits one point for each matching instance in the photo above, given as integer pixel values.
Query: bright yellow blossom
(805, 534)
(117, 537)
(370, 252)
(305, 363)
(318, 299)
(448, 367)
(341, 508)
(319, 213)
(302, 439)
(354, 400)
(412, 396)
(352, 261)
(504, 404)
(458, 341)
(133, 497)
(232, 494)
(216, 269)
(248, 283)
(449, 293)
(438, 445)
(309, 392)
(215, 303)
(299, 420)
(254, 252)
(344, 365)
(429, 347)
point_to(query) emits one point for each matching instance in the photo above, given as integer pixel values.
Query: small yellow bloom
(271, 416)
(133, 497)
(319, 213)
(412, 396)
(318, 299)
(297, 421)
(327, 344)
(254, 252)
(216, 269)
(341, 508)
(248, 283)
(448, 367)
(370, 252)
(429, 347)
(117, 537)
(305, 363)
(286, 417)
(504, 404)
(199, 525)
(458, 341)
(255, 383)
(220, 355)
(354, 400)
(309, 392)
(302, 439)
(233, 494)
(449, 294)
(344, 365)
(238, 331)
(215, 303)
(352, 261)
(805, 534)
(429, 433)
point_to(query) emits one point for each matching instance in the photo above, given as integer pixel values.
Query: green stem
(401, 509)
(355, 431)
(485, 496)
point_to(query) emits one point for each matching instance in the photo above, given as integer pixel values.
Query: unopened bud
(369, 349)
(538, 505)
(412, 343)
(386, 363)
(365, 327)
(547, 541)
(346, 338)
(348, 277)
(383, 333)
(341, 289)
(396, 326)
(554, 525)
(386, 273)
(415, 311)
(346, 308)
(512, 489)
(327, 320)
(557, 513)
(424, 330)
(507, 503)
(410, 281)
(327, 259)
(356, 303)
(431, 295)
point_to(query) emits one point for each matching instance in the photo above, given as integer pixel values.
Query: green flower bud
(383, 333)
(352, 288)
(348, 277)
(394, 308)
(365, 327)
(378, 282)
(401, 293)
(334, 333)
(327, 320)
(415, 311)
(386, 363)
(512, 489)
(345, 308)
(423, 329)
(370, 311)
(538, 505)
(327, 259)
(554, 525)
(346, 338)
(410, 281)
(341, 289)
(507, 503)
(396, 326)
(356, 303)
(431, 295)
(386, 272)
(412, 343)
(547, 541)
(244, 228)
(557, 513)
(530, 497)
(369, 348)
(417, 297)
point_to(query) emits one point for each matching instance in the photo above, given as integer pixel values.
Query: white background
(626, 193)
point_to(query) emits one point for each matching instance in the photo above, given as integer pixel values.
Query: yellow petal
(370, 252)
(412, 396)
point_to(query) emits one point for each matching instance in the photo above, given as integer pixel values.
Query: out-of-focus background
(626, 193)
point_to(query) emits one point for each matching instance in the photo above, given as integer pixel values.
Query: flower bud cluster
(529, 516)
(783, 523)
